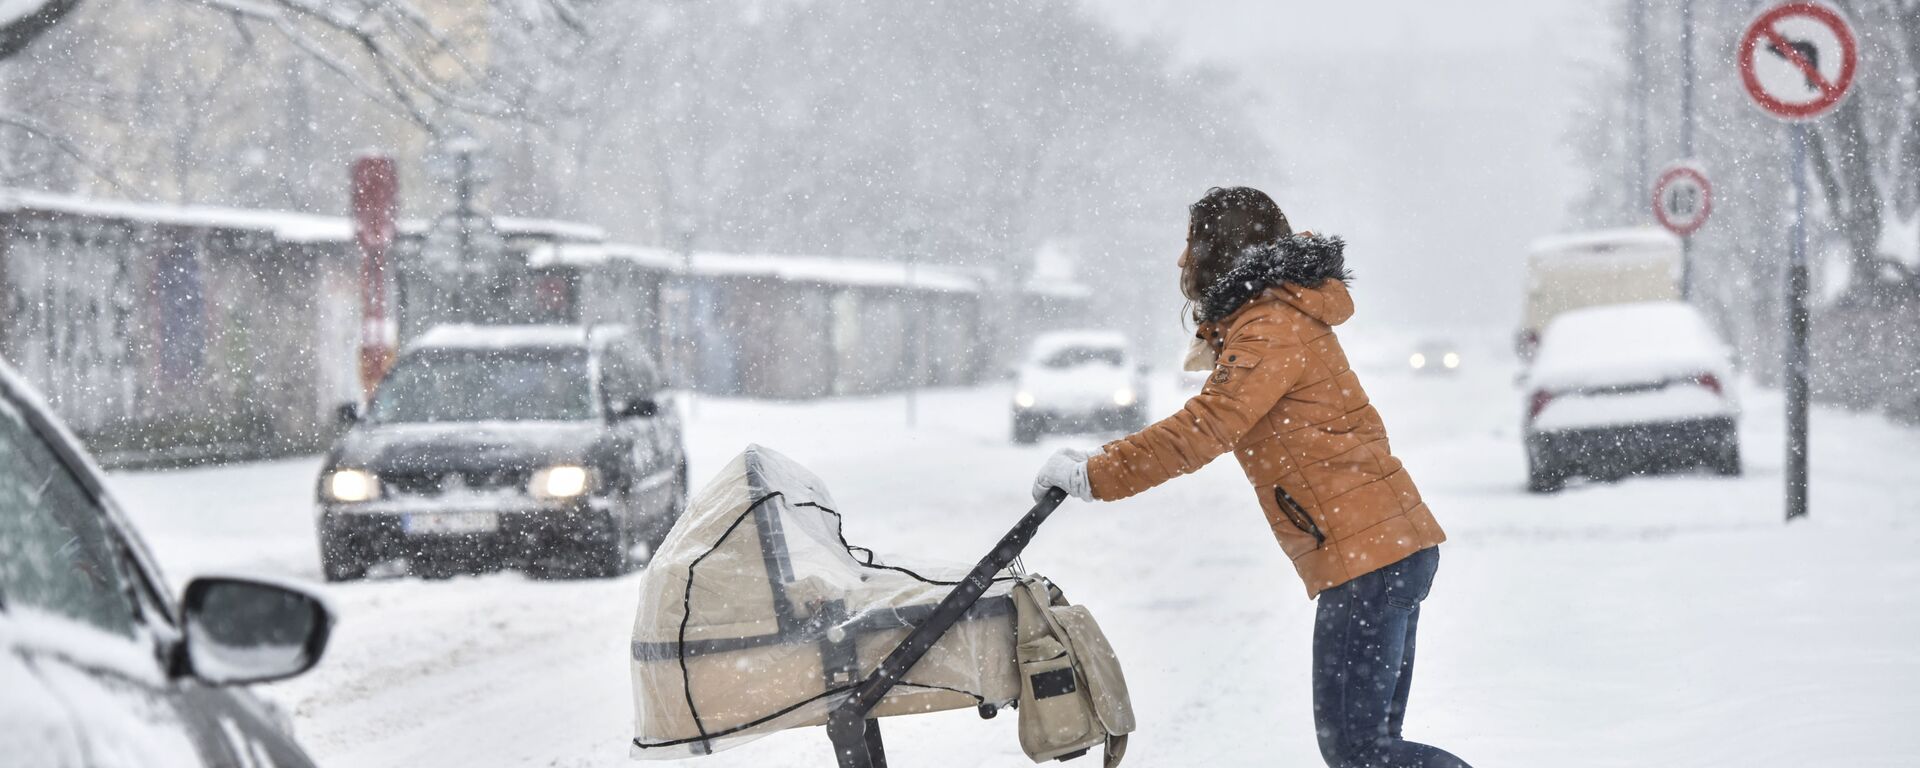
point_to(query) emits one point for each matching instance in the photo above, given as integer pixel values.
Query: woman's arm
(1259, 364)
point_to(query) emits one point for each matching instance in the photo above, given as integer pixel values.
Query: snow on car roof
(1627, 344)
(1048, 343)
(500, 337)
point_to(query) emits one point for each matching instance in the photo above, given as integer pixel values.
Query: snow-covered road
(1654, 622)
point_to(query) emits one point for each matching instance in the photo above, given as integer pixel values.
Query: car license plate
(442, 523)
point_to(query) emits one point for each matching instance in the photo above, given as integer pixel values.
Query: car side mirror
(242, 631)
(639, 407)
(346, 415)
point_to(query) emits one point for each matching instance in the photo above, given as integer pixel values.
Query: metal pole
(689, 335)
(1637, 41)
(463, 202)
(1686, 133)
(375, 190)
(1796, 384)
(913, 337)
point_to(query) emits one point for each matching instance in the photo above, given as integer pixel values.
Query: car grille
(437, 483)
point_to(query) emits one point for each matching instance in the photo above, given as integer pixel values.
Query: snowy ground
(1656, 622)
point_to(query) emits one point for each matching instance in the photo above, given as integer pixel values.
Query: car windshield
(486, 385)
(56, 550)
(1074, 357)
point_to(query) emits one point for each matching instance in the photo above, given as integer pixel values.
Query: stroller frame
(855, 736)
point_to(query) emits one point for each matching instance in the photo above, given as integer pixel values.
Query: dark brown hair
(1223, 224)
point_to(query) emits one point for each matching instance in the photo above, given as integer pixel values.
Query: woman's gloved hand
(1066, 469)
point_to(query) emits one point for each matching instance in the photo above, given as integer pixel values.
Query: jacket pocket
(1230, 368)
(1298, 515)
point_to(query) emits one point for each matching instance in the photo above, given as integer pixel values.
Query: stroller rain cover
(756, 615)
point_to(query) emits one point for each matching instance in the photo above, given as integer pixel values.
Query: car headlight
(1418, 360)
(562, 481)
(1024, 399)
(1452, 360)
(1123, 397)
(352, 485)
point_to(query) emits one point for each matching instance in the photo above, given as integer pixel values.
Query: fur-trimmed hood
(1301, 263)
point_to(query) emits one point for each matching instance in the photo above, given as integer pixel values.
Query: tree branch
(34, 128)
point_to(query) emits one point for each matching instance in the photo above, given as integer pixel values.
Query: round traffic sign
(1797, 59)
(1682, 199)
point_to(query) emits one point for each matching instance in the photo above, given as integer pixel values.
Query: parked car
(99, 665)
(1629, 388)
(545, 448)
(1078, 381)
(1435, 356)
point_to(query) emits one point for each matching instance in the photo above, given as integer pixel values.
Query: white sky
(1430, 134)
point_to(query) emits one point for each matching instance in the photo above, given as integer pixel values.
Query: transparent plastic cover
(756, 615)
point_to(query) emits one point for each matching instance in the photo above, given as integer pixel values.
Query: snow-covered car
(1587, 269)
(1629, 388)
(1077, 381)
(1435, 356)
(99, 665)
(545, 448)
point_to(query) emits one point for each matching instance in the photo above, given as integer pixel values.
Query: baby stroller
(756, 615)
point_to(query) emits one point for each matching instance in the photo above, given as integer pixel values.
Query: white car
(100, 664)
(1435, 356)
(1627, 389)
(1077, 381)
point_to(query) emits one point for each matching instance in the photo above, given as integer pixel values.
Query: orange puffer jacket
(1284, 400)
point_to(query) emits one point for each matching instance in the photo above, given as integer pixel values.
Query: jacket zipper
(1298, 515)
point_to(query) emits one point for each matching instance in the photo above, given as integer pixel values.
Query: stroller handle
(947, 613)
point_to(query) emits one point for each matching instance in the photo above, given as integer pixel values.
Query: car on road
(1082, 381)
(99, 665)
(1435, 357)
(1628, 389)
(545, 448)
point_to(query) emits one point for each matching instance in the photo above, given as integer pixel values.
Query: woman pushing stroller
(1283, 400)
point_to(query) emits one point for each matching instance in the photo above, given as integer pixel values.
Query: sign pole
(1686, 134)
(374, 196)
(1796, 384)
(1798, 60)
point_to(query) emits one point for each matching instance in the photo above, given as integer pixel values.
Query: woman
(1283, 399)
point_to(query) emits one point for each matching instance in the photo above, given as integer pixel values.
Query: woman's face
(1189, 282)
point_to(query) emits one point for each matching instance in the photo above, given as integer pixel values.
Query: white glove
(1066, 470)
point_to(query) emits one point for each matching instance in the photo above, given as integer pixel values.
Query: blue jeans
(1363, 667)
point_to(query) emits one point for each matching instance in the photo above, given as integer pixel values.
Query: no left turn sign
(1682, 199)
(1797, 59)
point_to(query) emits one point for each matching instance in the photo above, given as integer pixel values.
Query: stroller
(756, 615)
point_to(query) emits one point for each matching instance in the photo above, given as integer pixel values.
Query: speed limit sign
(1682, 199)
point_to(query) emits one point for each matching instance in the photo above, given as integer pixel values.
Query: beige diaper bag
(1072, 694)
